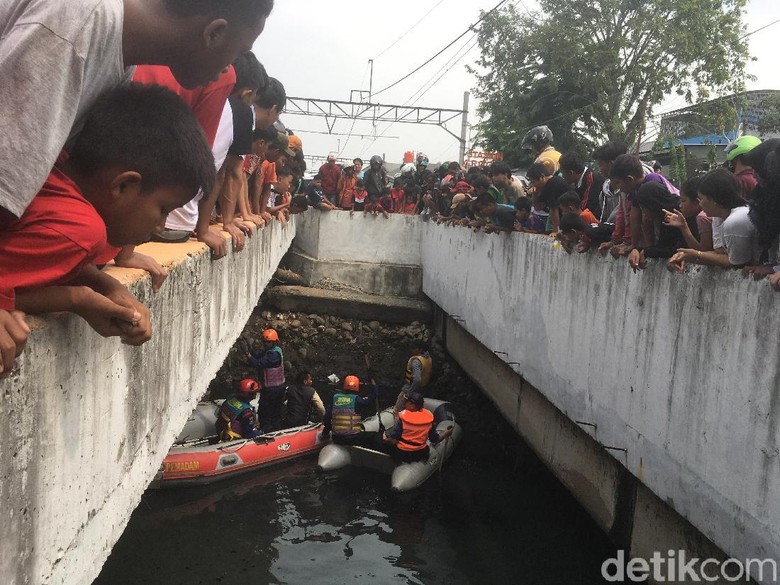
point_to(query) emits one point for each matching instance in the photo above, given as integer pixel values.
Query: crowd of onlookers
(728, 217)
(161, 126)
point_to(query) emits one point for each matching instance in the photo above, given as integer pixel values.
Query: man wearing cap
(294, 143)
(330, 173)
(412, 431)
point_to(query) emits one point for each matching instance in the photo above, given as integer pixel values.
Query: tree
(770, 120)
(596, 69)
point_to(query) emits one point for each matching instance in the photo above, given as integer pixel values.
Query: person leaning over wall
(140, 155)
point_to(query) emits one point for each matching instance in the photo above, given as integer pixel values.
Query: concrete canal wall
(672, 378)
(87, 421)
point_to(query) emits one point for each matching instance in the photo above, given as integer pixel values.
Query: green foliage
(770, 121)
(595, 69)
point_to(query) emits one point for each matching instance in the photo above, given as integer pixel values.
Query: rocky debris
(295, 323)
(330, 331)
(331, 284)
(346, 326)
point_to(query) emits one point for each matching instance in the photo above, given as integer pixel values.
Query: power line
(396, 41)
(460, 36)
(459, 54)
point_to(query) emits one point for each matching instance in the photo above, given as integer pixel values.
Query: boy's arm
(13, 336)
(217, 243)
(108, 318)
(129, 258)
(102, 283)
(231, 187)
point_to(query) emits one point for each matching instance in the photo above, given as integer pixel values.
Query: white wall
(87, 421)
(679, 370)
(337, 235)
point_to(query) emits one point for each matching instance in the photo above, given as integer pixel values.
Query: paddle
(370, 375)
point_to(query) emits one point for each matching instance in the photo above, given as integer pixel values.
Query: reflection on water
(475, 523)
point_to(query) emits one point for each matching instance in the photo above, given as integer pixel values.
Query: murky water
(474, 524)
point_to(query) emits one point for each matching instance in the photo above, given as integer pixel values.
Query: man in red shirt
(330, 173)
(140, 155)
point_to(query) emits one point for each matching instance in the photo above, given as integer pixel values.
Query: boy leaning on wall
(140, 155)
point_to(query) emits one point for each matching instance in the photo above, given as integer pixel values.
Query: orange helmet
(248, 386)
(352, 383)
(270, 335)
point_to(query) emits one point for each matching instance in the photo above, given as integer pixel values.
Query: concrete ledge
(87, 421)
(377, 279)
(348, 304)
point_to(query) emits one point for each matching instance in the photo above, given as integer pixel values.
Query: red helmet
(270, 335)
(248, 386)
(352, 383)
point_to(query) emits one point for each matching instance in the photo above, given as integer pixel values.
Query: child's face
(522, 214)
(689, 207)
(317, 183)
(569, 209)
(294, 209)
(284, 183)
(131, 216)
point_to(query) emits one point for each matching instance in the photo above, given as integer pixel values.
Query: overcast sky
(321, 50)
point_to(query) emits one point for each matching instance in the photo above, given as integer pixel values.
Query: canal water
(476, 523)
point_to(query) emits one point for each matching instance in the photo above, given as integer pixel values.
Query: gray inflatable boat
(404, 476)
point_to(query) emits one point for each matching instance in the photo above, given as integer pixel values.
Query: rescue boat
(196, 458)
(403, 476)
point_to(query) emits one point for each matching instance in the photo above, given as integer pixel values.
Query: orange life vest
(427, 369)
(416, 426)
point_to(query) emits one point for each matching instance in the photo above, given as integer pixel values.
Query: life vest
(550, 158)
(427, 369)
(274, 377)
(416, 426)
(299, 404)
(228, 423)
(344, 420)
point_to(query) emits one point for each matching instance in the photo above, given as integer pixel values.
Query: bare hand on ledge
(144, 262)
(105, 316)
(217, 243)
(758, 272)
(236, 234)
(774, 280)
(139, 330)
(13, 336)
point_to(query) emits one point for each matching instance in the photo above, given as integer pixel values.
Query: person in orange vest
(412, 431)
(237, 418)
(270, 369)
(419, 371)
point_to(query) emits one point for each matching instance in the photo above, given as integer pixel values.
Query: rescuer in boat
(412, 431)
(344, 421)
(237, 418)
(419, 371)
(270, 370)
(303, 402)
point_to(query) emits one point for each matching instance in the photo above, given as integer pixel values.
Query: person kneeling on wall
(412, 431)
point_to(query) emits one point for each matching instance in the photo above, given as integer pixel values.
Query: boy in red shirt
(140, 155)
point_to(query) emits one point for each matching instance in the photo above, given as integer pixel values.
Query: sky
(322, 49)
